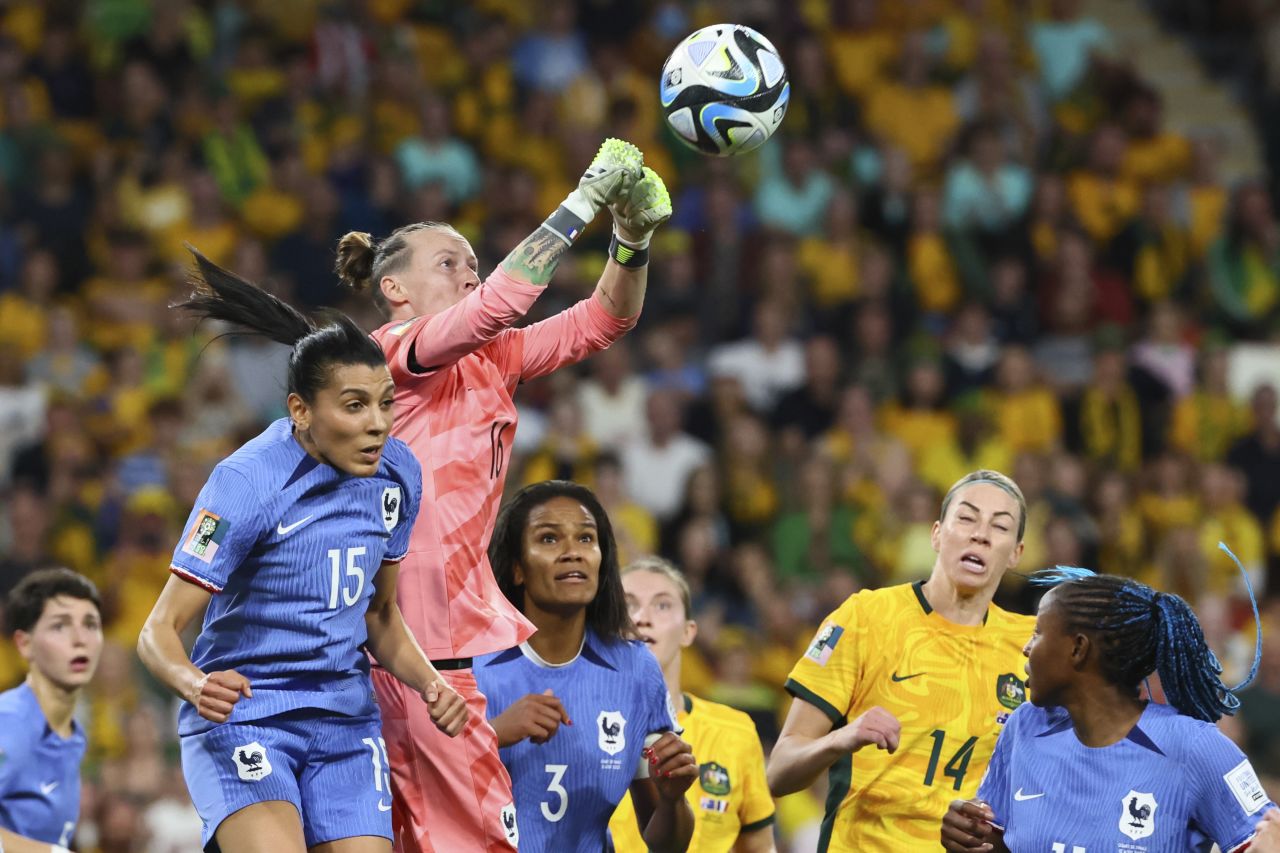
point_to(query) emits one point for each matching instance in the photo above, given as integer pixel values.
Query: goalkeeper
(456, 362)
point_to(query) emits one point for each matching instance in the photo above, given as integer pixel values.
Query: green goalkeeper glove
(639, 212)
(615, 169)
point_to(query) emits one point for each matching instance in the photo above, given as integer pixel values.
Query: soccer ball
(724, 90)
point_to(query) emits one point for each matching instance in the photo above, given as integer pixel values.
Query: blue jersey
(1173, 782)
(290, 547)
(566, 789)
(39, 771)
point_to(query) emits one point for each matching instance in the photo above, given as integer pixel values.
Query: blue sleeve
(15, 739)
(224, 525)
(994, 788)
(411, 475)
(1229, 799)
(660, 713)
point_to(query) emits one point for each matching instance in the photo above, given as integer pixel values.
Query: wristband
(565, 224)
(626, 255)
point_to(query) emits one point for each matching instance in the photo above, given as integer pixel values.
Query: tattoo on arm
(535, 259)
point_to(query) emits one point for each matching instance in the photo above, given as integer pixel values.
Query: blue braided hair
(1140, 630)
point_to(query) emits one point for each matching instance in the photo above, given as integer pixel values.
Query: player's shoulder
(400, 461)
(267, 459)
(20, 717)
(392, 330)
(1016, 624)
(722, 717)
(622, 654)
(1031, 720)
(1177, 734)
(886, 603)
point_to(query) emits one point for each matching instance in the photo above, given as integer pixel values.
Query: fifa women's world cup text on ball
(724, 90)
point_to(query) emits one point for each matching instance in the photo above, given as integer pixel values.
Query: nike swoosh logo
(897, 677)
(383, 808)
(47, 788)
(1021, 797)
(285, 531)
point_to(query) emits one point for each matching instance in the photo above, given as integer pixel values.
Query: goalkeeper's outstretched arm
(613, 172)
(636, 215)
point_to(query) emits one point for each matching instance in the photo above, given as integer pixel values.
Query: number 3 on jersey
(349, 597)
(554, 787)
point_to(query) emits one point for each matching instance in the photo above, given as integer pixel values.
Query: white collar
(527, 651)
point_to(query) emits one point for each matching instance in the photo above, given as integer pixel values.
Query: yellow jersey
(731, 795)
(951, 687)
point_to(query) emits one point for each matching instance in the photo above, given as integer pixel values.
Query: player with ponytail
(457, 357)
(1090, 763)
(290, 556)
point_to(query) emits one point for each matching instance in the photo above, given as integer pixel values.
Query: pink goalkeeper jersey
(455, 374)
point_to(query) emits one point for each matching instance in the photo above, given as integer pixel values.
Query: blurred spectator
(793, 197)
(657, 467)
(1257, 454)
(911, 112)
(613, 399)
(1065, 45)
(985, 191)
(811, 408)
(768, 364)
(1207, 422)
(1244, 265)
(551, 57)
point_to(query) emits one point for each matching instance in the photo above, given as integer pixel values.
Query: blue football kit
(39, 771)
(289, 547)
(567, 788)
(1172, 784)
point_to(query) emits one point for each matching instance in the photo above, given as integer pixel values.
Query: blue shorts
(332, 768)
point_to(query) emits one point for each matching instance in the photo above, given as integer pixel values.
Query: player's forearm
(796, 762)
(536, 258)
(670, 827)
(621, 289)
(12, 843)
(397, 651)
(162, 653)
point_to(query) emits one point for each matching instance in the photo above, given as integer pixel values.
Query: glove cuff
(565, 224)
(642, 243)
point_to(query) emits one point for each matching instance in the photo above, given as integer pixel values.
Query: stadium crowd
(972, 244)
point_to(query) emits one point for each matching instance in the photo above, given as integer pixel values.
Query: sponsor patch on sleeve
(1244, 784)
(824, 644)
(206, 534)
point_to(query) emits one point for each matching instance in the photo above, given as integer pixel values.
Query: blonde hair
(1000, 481)
(661, 566)
(362, 261)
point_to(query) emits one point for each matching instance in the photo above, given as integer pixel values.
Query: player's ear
(690, 633)
(299, 411)
(22, 640)
(933, 535)
(393, 290)
(1079, 650)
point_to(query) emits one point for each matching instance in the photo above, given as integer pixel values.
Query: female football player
(1089, 763)
(731, 804)
(290, 555)
(55, 616)
(926, 673)
(457, 360)
(613, 729)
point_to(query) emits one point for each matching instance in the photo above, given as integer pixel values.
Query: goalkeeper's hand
(615, 169)
(639, 212)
